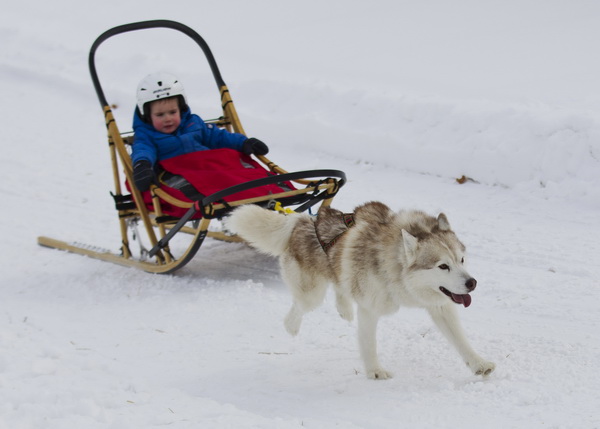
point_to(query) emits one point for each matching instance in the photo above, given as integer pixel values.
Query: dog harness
(347, 219)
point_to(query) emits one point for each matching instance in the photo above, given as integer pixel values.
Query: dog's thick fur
(385, 260)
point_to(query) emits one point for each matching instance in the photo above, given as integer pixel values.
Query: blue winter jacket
(192, 135)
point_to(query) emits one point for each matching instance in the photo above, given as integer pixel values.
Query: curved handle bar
(219, 195)
(159, 23)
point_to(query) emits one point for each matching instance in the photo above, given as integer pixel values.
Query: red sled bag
(192, 176)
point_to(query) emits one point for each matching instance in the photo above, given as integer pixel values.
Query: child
(165, 127)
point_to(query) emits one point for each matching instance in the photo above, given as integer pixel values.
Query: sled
(168, 227)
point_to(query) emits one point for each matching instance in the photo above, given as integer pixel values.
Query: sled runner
(171, 220)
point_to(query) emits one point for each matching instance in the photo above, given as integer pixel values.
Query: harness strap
(123, 202)
(348, 220)
(180, 183)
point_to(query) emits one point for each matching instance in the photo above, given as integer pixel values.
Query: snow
(404, 97)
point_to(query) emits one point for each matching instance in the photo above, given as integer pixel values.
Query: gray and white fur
(382, 261)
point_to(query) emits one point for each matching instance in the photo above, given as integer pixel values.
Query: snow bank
(491, 143)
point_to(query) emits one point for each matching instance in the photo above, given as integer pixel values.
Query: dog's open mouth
(459, 299)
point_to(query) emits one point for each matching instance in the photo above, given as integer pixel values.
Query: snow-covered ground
(404, 97)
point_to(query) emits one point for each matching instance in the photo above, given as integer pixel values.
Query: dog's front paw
(379, 374)
(482, 367)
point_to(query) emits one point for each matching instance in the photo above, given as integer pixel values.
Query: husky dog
(374, 257)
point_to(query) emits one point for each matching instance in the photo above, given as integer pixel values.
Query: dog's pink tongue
(462, 299)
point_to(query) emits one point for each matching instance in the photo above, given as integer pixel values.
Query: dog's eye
(444, 267)
(462, 261)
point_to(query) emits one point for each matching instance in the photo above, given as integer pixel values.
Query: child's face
(165, 115)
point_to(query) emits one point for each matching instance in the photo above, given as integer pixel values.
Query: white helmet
(156, 86)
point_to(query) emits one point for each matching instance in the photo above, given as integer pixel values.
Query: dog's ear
(410, 246)
(443, 223)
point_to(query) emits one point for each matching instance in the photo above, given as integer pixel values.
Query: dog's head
(435, 264)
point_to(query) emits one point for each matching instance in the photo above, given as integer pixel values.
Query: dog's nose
(471, 284)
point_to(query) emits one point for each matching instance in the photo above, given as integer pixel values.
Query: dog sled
(169, 224)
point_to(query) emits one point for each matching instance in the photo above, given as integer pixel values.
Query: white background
(404, 97)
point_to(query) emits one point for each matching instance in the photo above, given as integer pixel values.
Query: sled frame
(319, 186)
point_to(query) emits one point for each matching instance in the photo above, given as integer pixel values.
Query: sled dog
(375, 257)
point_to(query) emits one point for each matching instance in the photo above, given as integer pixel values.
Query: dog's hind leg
(447, 321)
(303, 303)
(293, 320)
(367, 339)
(308, 292)
(344, 306)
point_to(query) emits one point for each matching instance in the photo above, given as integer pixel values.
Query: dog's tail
(266, 230)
